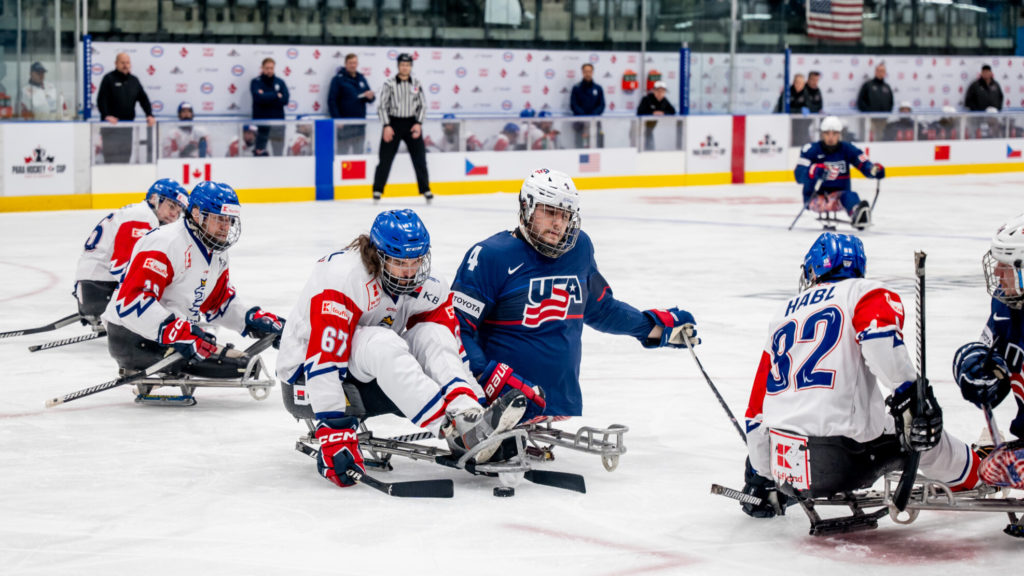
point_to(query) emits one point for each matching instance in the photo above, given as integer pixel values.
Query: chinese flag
(942, 152)
(351, 170)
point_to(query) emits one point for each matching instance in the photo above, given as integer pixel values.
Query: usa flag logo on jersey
(550, 298)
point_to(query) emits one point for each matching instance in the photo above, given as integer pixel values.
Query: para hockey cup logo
(766, 145)
(237, 70)
(709, 147)
(206, 88)
(39, 164)
(156, 51)
(549, 299)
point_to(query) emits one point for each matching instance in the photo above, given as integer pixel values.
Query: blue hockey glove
(498, 379)
(260, 323)
(765, 489)
(672, 328)
(877, 171)
(339, 450)
(817, 172)
(917, 431)
(982, 375)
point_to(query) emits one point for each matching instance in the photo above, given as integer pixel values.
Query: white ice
(104, 486)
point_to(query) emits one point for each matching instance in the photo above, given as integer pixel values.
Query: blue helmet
(527, 113)
(511, 128)
(401, 235)
(167, 189)
(833, 257)
(215, 199)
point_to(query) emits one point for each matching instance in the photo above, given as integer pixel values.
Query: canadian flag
(193, 173)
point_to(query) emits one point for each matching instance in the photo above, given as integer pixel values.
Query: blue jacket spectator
(349, 91)
(587, 98)
(269, 94)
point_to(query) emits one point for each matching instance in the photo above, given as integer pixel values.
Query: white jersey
(238, 148)
(109, 246)
(185, 142)
(300, 145)
(497, 143)
(171, 273)
(42, 102)
(344, 320)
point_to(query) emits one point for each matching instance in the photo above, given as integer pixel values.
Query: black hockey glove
(981, 373)
(918, 432)
(772, 501)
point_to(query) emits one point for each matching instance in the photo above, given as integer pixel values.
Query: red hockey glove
(498, 378)
(190, 340)
(877, 171)
(339, 450)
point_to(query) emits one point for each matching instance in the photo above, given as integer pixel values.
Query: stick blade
(54, 402)
(564, 480)
(423, 489)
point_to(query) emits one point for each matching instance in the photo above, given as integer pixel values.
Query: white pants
(420, 371)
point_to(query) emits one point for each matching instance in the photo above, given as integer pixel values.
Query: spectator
(347, 98)
(269, 97)
(302, 143)
(812, 94)
(118, 94)
(40, 101)
(449, 140)
(876, 96)
(988, 126)
(402, 109)
(507, 139)
(542, 135)
(654, 104)
(247, 145)
(586, 99)
(901, 129)
(984, 92)
(184, 140)
(797, 97)
(945, 128)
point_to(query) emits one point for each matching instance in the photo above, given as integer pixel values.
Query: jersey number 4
(810, 334)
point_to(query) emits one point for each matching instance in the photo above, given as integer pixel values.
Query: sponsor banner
(38, 159)
(708, 144)
(767, 142)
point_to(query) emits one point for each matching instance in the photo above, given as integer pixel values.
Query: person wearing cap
(587, 99)
(402, 109)
(269, 97)
(246, 145)
(654, 104)
(542, 134)
(39, 100)
(984, 92)
(876, 96)
(507, 139)
(119, 92)
(945, 128)
(348, 97)
(184, 140)
(902, 128)
(449, 140)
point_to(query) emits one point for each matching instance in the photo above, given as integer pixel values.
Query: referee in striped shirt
(402, 110)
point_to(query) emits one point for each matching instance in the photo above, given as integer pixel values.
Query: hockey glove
(1004, 467)
(772, 501)
(339, 450)
(498, 379)
(981, 374)
(917, 432)
(190, 340)
(877, 171)
(672, 328)
(817, 172)
(260, 323)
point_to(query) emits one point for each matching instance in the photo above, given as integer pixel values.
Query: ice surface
(103, 486)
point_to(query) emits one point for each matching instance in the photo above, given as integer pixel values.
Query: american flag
(590, 162)
(835, 19)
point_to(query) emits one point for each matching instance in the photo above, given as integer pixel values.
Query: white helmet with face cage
(556, 190)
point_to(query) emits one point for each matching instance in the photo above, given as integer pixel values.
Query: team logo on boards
(549, 299)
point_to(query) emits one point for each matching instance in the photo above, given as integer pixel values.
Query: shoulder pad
(805, 148)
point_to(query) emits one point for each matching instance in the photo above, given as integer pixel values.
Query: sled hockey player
(184, 140)
(989, 370)
(816, 422)
(523, 296)
(830, 160)
(109, 246)
(178, 278)
(373, 318)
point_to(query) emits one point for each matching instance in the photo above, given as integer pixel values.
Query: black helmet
(404, 57)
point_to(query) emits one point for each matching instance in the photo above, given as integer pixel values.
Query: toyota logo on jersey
(549, 299)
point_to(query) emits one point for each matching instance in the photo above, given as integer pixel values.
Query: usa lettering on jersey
(549, 299)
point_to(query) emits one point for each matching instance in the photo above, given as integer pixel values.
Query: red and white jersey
(539, 139)
(109, 246)
(238, 148)
(182, 142)
(497, 143)
(172, 273)
(826, 349)
(339, 297)
(300, 145)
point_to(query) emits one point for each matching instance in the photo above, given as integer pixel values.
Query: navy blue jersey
(528, 311)
(838, 165)
(1005, 334)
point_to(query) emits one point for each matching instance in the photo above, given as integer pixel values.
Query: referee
(402, 110)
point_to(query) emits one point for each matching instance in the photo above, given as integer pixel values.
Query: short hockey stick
(48, 328)
(817, 186)
(414, 489)
(993, 429)
(66, 341)
(736, 495)
(906, 483)
(721, 400)
(878, 188)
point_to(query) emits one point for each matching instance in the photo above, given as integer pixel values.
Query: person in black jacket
(796, 96)
(119, 92)
(876, 96)
(587, 99)
(984, 92)
(347, 98)
(654, 104)
(269, 97)
(812, 94)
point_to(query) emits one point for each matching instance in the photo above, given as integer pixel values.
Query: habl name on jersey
(550, 298)
(819, 295)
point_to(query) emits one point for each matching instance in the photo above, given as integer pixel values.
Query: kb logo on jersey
(550, 298)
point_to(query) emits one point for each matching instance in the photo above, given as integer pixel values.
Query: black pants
(93, 297)
(133, 352)
(351, 140)
(583, 135)
(365, 399)
(117, 144)
(275, 134)
(418, 153)
(839, 464)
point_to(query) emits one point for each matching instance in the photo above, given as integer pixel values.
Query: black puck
(504, 491)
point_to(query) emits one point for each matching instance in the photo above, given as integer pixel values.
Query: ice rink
(104, 486)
